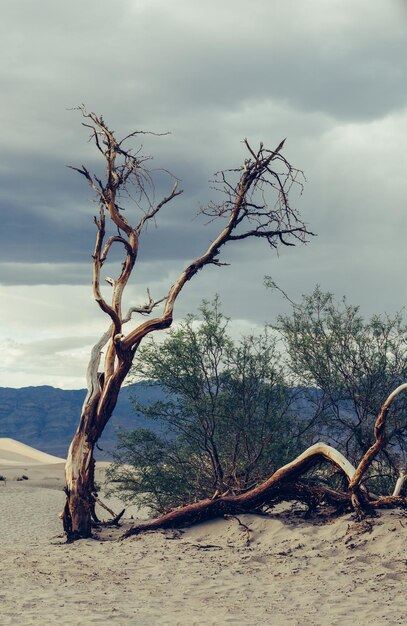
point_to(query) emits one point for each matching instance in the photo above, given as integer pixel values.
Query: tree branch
(154, 210)
(275, 487)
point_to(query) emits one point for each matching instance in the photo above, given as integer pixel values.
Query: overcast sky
(330, 75)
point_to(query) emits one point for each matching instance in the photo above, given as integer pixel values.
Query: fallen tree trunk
(280, 486)
(208, 509)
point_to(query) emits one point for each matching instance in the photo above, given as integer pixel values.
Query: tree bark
(80, 485)
(80, 466)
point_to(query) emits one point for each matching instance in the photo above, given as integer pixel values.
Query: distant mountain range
(46, 418)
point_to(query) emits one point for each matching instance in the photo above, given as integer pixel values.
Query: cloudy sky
(330, 75)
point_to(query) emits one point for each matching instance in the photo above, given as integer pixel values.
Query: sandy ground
(291, 572)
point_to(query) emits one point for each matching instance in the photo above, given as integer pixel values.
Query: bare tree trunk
(80, 485)
(80, 466)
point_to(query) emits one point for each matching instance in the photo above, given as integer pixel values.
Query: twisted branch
(282, 485)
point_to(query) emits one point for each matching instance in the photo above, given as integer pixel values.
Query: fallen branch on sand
(284, 485)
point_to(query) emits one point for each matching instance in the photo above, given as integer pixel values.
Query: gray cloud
(330, 78)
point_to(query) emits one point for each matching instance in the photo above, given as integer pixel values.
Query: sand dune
(284, 571)
(14, 453)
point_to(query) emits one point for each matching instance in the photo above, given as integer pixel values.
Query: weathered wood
(122, 168)
(79, 474)
(283, 485)
(399, 486)
(389, 502)
(359, 499)
(279, 486)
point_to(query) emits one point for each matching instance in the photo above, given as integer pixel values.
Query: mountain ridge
(46, 417)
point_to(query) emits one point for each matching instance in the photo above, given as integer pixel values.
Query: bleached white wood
(400, 483)
(325, 450)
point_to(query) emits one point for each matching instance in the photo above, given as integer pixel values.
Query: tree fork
(245, 217)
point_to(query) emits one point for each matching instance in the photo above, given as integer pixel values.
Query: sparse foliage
(347, 365)
(228, 412)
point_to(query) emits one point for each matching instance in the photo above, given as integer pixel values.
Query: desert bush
(228, 415)
(235, 412)
(347, 366)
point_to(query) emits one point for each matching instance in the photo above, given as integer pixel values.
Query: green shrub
(228, 416)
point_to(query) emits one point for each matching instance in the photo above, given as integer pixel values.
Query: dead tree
(246, 213)
(285, 484)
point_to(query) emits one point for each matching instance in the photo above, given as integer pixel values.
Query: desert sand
(285, 571)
